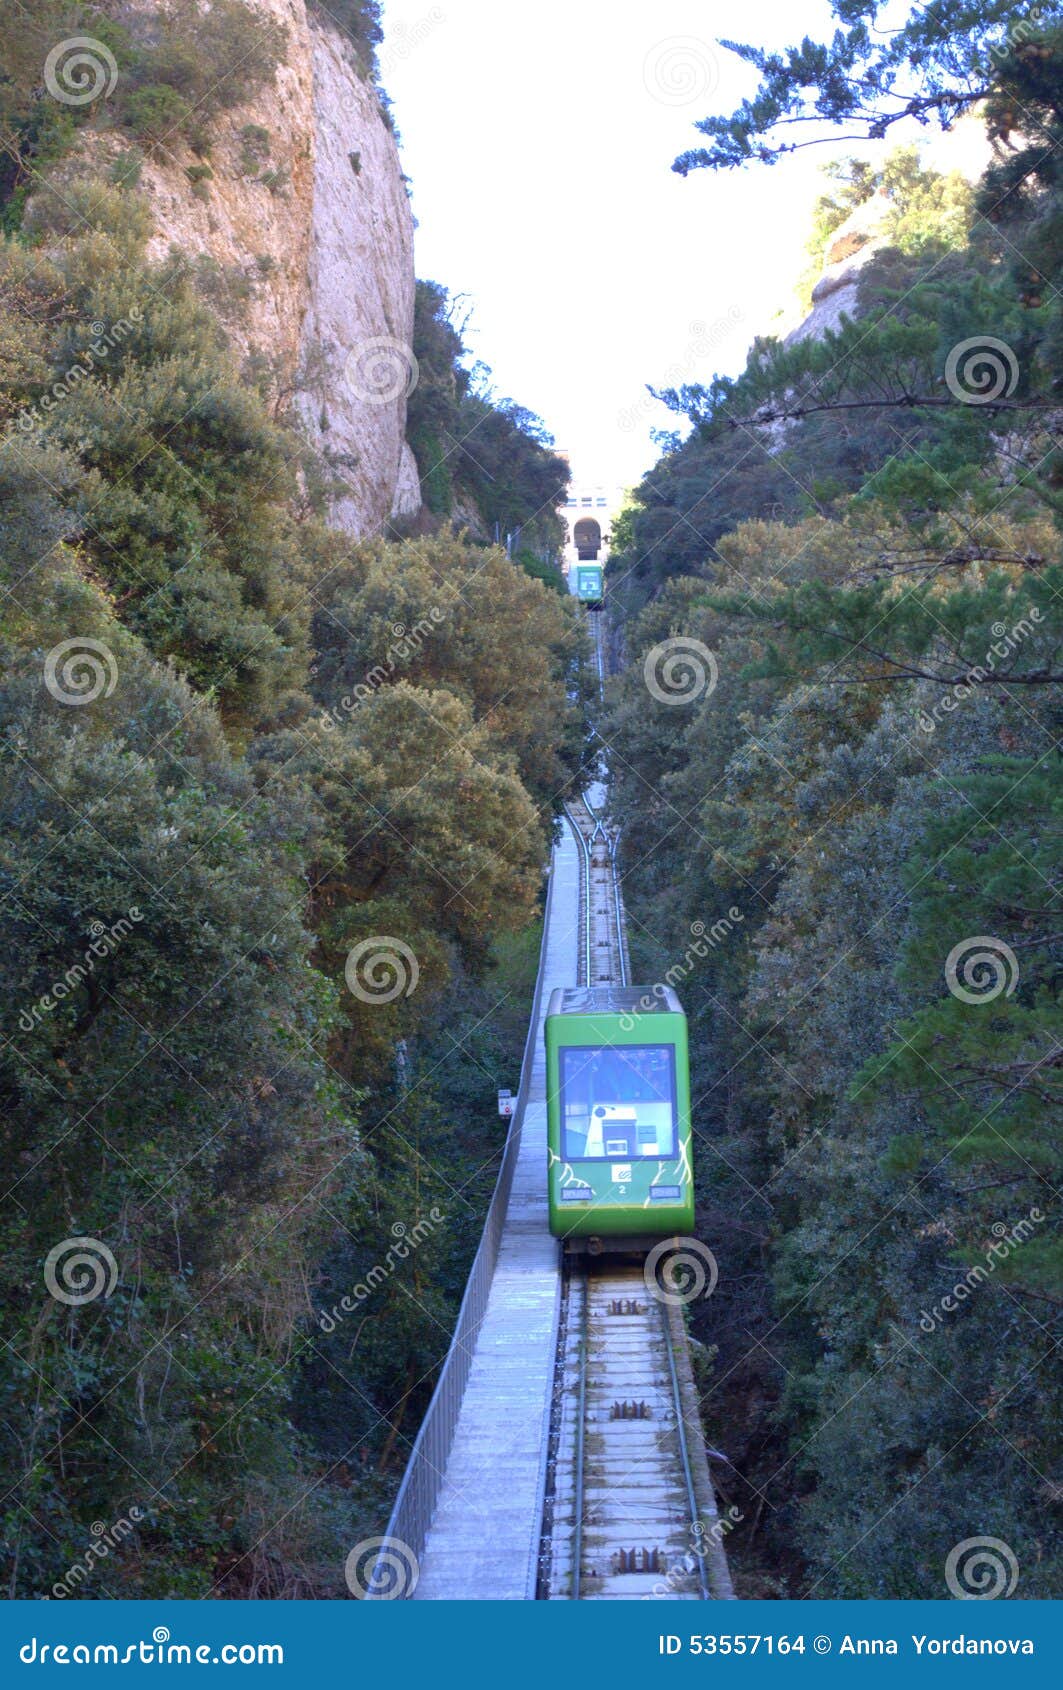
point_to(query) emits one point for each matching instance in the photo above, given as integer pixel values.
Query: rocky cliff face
(965, 148)
(308, 205)
(851, 246)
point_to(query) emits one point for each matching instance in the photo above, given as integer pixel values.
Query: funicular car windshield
(618, 1102)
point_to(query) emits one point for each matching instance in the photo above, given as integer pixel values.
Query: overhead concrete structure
(587, 539)
(588, 515)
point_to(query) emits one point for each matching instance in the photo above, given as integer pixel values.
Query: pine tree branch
(906, 402)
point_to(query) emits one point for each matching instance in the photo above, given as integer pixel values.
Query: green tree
(185, 480)
(440, 612)
(164, 1093)
(471, 443)
(934, 67)
(418, 830)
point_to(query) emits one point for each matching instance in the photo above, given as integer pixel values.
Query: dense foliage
(274, 808)
(194, 540)
(953, 334)
(251, 774)
(873, 558)
(479, 454)
(933, 68)
(161, 77)
(360, 22)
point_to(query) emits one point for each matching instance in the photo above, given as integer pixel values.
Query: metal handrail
(418, 1494)
(621, 948)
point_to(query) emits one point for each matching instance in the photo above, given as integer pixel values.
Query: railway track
(561, 1456)
(603, 958)
(624, 1520)
(629, 1508)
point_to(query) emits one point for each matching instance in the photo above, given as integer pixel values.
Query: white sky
(539, 140)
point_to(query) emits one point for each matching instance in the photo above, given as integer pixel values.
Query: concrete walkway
(484, 1539)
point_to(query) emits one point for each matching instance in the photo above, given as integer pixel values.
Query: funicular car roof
(613, 1000)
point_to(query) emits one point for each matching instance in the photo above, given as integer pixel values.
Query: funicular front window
(618, 1102)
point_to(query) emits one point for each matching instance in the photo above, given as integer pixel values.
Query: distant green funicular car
(590, 588)
(618, 1117)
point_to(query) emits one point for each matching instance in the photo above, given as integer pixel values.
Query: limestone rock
(852, 246)
(321, 225)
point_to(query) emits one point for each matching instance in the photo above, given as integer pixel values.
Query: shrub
(360, 22)
(254, 148)
(157, 113)
(213, 59)
(276, 181)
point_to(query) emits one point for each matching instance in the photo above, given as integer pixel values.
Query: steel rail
(581, 1428)
(684, 1455)
(587, 836)
(612, 846)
